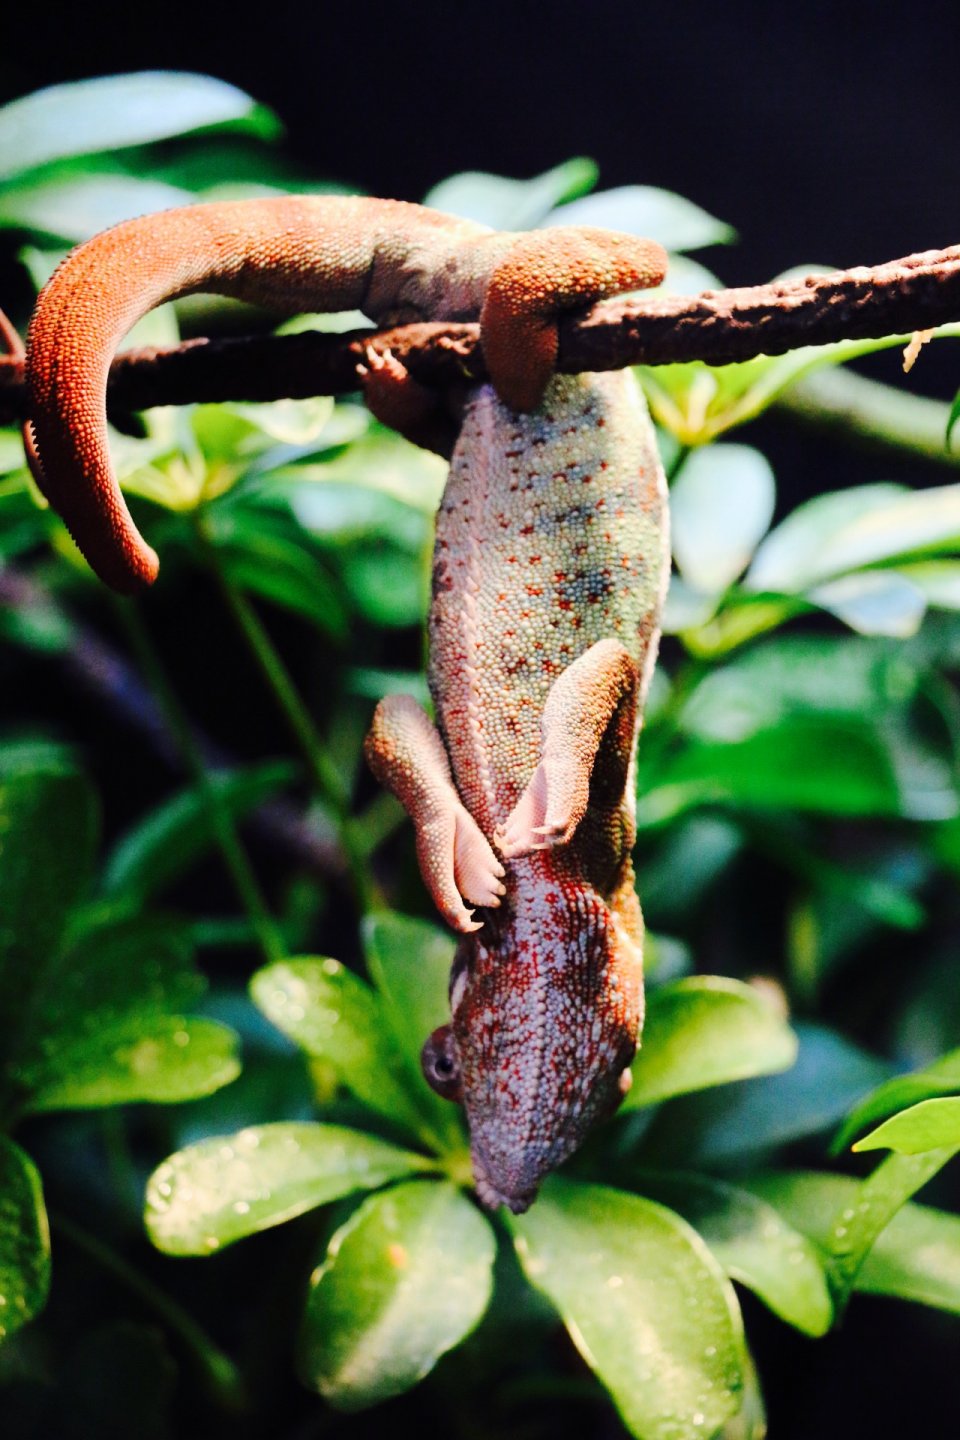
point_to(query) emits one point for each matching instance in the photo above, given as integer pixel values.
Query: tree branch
(915, 293)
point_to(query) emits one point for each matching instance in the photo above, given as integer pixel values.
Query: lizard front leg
(405, 752)
(581, 704)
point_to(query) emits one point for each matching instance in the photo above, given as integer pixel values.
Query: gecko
(550, 567)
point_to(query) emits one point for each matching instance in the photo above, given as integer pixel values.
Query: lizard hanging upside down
(550, 567)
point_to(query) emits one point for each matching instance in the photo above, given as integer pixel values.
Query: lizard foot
(546, 815)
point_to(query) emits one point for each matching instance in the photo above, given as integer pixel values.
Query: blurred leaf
(815, 674)
(404, 1280)
(873, 602)
(689, 859)
(172, 1059)
(74, 207)
(409, 961)
(828, 764)
(929, 1125)
(645, 1302)
(218, 1191)
(24, 1240)
(829, 1077)
(333, 1015)
(263, 562)
(706, 1030)
(853, 529)
(721, 504)
(754, 1245)
(917, 1256)
(645, 210)
(940, 1078)
(47, 835)
(386, 585)
(158, 850)
(508, 204)
(115, 111)
(937, 580)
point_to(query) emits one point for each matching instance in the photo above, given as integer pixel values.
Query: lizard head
(543, 1029)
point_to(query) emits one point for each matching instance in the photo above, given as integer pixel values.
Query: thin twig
(720, 326)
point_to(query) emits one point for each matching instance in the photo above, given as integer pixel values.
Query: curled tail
(290, 253)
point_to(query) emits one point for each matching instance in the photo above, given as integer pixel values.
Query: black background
(825, 134)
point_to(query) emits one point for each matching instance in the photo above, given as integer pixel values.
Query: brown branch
(718, 327)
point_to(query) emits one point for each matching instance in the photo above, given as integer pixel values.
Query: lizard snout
(491, 1195)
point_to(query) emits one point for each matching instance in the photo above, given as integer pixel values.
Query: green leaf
(279, 568)
(831, 765)
(74, 207)
(645, 1302)
(854, 529)
(917, 1256)
(930, 1125)
(645, 210)
(117, 111)
(952, 419)
(873, 602)
(508, 204)
(754, 1244)
(717, 1125)
(812, 674)
(177, 834)
(170, 1060)
(854, 1229)
(332, 1015)
(221, 1189)
(24, 1240)
(47, 836)
(410, 962)
(404, 1281)
(721, 505)
(940, 1078)
(706, 1030)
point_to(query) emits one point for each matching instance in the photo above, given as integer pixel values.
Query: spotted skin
(550, 565)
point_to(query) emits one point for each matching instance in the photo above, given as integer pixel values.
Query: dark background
(825, 134)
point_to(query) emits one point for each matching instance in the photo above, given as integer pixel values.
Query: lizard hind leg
(580, 706)
(405, 752)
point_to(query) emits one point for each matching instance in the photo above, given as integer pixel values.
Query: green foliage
(798, 814)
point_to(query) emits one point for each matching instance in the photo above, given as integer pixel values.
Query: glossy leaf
(116, 111)
(24, 1240)
(754, 1244)
(219, 1190)
(940, 1078)
(645, 210)
(178, 833)
(404, 1280)
(334, 1016)
(721, 505)
(507, 204)
(644, 1301)
(916, 1257)
(930, 1125)
(706, 1030)
(410, 961)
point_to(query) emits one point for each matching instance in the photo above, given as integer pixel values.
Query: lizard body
(550, 567)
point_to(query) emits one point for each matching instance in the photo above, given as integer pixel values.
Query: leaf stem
(324, 774)
(231, 848)
(222, 1376)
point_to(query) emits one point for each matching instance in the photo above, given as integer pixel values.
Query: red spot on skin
(535, 559)
(559, 575)
(565, 604)
(511, 559)
(534, 589)
(587, 479)
(604, 464)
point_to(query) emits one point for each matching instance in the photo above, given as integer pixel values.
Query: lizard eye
(440, 1065)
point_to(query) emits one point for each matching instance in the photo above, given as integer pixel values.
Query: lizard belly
(551, 535)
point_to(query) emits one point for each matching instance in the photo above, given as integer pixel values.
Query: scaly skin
(550, 567)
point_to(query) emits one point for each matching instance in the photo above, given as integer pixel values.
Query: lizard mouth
(491, 1196)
